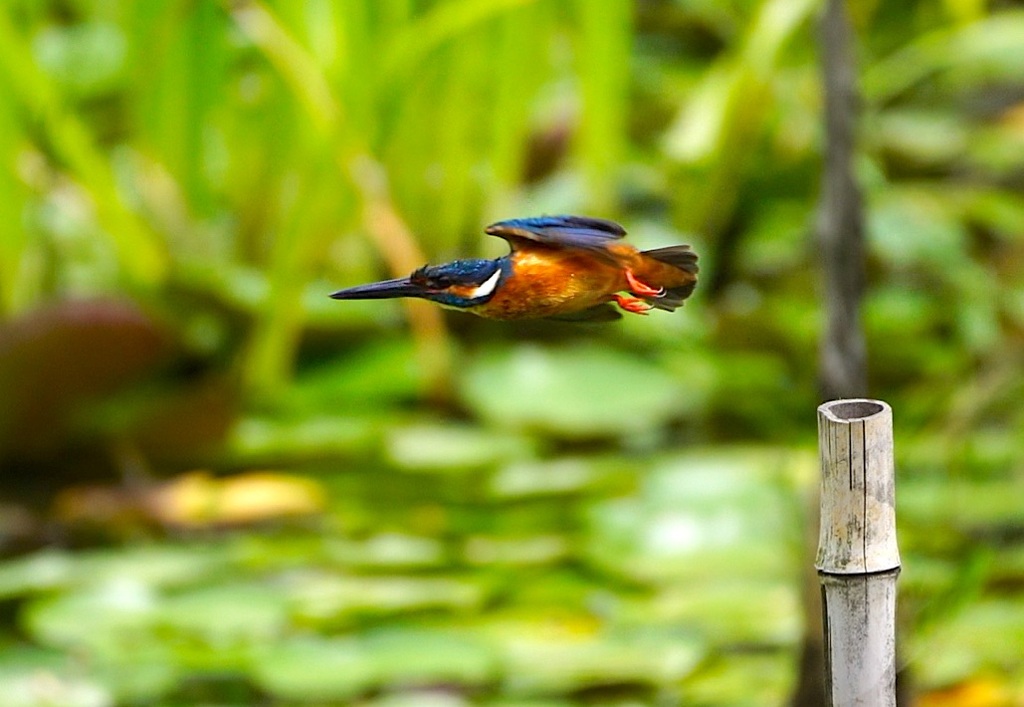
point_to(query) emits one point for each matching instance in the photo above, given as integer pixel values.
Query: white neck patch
(486, 287)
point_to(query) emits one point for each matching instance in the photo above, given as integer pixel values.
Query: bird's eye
(420, 276)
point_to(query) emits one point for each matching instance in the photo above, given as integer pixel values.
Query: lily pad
(388, 550)
(325, 599)
(106, 618)
(35, 677)
(113, 625)
(38, 572)
(152, 566)
(559, 477)
(259, 439)
(421, 698)
(984, 637)
(451, 448)
(517, 551)
(742, 680)
(226, 614)
(575, 392)
(340, 668)
(141, 676)
(550, 665)
(314, 668)
(978, 505)
(375, 375)
(740, 612)
(420, 657)
(41, 689)
(697, 516)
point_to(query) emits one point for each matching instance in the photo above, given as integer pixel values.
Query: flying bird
(562, 267)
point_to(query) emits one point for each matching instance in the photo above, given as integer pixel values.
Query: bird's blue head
(460, 284)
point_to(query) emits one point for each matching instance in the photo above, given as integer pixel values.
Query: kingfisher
(560, 267)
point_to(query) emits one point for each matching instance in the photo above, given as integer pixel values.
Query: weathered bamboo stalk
(858, 559)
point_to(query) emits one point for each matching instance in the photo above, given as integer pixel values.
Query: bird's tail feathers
(678, 256)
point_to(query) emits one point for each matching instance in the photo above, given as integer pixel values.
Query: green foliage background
(517, 513)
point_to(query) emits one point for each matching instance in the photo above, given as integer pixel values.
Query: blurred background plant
(223, 487)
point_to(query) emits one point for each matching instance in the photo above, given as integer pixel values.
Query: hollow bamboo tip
(858, 509)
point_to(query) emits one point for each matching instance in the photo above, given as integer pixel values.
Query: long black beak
(388, 289)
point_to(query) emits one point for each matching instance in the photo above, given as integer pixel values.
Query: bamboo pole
(858, 560)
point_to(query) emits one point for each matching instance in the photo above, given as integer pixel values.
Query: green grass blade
(13, 237)
(445, 21)
(517, 75)
(603, 50)
(140, 253)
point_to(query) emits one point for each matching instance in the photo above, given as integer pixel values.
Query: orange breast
(549, 282)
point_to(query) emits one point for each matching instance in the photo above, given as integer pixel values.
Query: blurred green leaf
(753, 611)
(973, 641)
(151, 567)
(430, 657)
(389, 550)
(694, 516)
(451, 449)
(314, 668)
(376, 375)
(542, 665)
(603, 57)
(325, 600)
(408, 47)
(976, 506)
(561, 477)
(981, 50)
(926, 137)
(581, 391)
(35, 677)
(264, 440)
(85, 59)
(746, 680)
(907, 227)
(225, 614)
(321, 669)
(517, 551)
(142, 255)
(106, 619)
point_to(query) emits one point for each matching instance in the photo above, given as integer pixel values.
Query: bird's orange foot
(632, 304)
(641, 288)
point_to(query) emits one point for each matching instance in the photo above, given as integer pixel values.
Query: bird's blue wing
(559, 231)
